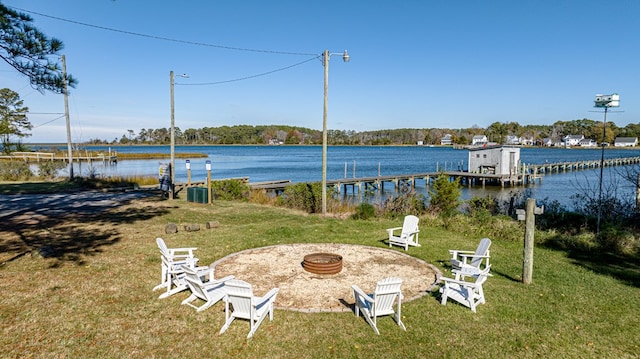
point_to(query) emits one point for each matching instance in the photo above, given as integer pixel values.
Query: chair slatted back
(163, 247)
(409, 226)
(239, 294)
(482, 250)
(386, 293)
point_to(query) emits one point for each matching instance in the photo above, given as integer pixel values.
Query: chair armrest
(461, 283)
(184, 261)
(455, 252)
(474, 256)
(204, 271)
(361, 293)
(221, 280)
(217, 282)
(270, 294)
(391, 230)
(174, 251)
(469, 272)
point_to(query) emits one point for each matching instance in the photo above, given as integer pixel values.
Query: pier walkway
(527, 174)
(49, 156)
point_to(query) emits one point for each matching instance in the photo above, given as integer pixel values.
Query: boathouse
(495, 160)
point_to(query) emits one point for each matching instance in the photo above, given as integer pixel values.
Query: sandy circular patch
(281, 266)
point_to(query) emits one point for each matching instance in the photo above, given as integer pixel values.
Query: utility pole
(173, 141)
(66, 113)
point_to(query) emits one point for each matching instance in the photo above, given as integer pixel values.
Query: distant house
(526, 141)
(447, 140)
(511, 140)
(588, 142)
(625, 142)
(572, 140)
(499, 160)
(479, 140)
(548, 142)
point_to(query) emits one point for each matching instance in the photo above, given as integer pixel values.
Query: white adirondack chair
(469, 294)
(380, 303)
(408, 235)
(465, 263)
(172, 260)
(210, 291)
(246, 306)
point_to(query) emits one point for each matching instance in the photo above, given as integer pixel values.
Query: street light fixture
(325, 62)
(173, 136)
(604, 101)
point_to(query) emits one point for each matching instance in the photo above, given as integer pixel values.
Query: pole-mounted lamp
(604, 101)
(325, 62)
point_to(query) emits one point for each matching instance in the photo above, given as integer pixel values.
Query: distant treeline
(280, 134)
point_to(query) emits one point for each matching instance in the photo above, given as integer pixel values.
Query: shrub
(445, 195)
(487, 204)
(15, 171)
(364, 211)
(231, 189)
(260, 196)
(304, 196)
(616, 240)
(49, 169)
(410, 202)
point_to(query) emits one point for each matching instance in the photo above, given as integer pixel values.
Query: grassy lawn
(94, 300)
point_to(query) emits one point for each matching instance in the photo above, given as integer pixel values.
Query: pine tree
(13, 118)
(31, 52)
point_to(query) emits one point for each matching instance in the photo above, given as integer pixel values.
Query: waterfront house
(479, 140)
(588, 142)
(625, 142)
(447, 140)
(527, 141)
(511, 140)
(572, 140)
(499, 160)
(548, 142)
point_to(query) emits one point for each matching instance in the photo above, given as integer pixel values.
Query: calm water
(304, 164)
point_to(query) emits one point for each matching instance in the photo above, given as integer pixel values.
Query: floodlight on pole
(604, 101)
(173, 135)
(325, 62)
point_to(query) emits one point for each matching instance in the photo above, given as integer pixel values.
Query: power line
(55, 119)
(248, 77)
(161, 37)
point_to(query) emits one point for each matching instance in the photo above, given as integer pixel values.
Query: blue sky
(414, 64)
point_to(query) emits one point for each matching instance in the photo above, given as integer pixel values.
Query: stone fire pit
(282, 266)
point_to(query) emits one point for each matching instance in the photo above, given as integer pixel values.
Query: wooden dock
(49, 156)
(408, 181)
(526, 174)
(561, 167)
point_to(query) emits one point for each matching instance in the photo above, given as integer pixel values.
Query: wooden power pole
(66, 113)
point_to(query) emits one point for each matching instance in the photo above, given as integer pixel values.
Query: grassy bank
(95, 300)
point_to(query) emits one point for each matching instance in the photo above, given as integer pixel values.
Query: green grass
(95, 299)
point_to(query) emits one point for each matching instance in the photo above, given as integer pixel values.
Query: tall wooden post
(188, 164)
(208, 166)
(638, 194)
(66, 114)
(529, 229)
